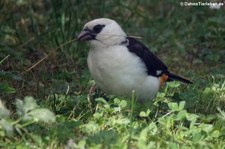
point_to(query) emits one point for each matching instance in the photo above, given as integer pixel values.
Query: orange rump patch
(162, 79)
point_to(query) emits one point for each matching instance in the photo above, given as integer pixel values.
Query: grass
(185, 38)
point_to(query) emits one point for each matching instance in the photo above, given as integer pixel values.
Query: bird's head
(102, 32)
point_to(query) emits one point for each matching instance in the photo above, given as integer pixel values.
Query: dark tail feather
(173, 77)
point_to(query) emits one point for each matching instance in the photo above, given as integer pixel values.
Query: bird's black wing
(154, 66)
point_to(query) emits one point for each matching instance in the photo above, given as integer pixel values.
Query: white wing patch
(158, 72)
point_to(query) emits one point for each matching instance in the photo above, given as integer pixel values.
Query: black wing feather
(152, 63)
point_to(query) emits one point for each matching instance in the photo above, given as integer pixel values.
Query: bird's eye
(98, 28)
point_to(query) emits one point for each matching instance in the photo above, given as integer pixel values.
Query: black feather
(173, 77)
(152, 63)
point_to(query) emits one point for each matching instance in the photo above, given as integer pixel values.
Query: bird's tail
(173, 77)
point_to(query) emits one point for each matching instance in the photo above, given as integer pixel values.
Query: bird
(120, 64)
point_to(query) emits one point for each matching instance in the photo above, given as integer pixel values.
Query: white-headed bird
(120, 64)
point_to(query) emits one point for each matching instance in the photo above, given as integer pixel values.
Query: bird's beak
(85, 35)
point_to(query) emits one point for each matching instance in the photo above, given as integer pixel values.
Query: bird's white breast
(117, 71)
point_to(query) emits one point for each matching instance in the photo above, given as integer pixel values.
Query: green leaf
(221, 113)
(161, 95)
(19, 107)
(116, 101)
(206, 127)
(144, 114)
(153, 128)
(4, 112)
(120, 121)
(181, 105)
(29, 103)
(123, 104)
(7, 127)
(197, 136)
(173, 106)
(215, 134)
(97, 115)
(5, 88)
(101, 100)
(25, 106)
(192, 117)
(181, 115)
(144, 134)
(42, 114)
(173, 84)
(116, 109)
(81, 144)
